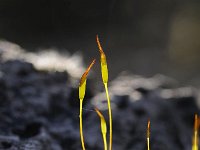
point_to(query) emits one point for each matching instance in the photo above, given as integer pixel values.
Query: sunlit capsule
(82, 84)
(103, 122)
(104, 67)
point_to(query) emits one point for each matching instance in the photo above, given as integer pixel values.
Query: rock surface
(39, 111)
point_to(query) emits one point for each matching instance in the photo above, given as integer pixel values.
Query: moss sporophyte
(82, 88)
(104, 73)
(148, 135)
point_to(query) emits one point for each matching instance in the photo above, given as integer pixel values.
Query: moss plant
(104, 72)
(148, 135)
(103, 127)
(82, 88)
(195, 140)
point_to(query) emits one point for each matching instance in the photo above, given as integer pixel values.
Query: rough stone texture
(39, 111)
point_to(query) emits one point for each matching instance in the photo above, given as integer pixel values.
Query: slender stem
(148, 143)
(81, 125)
(195, 142)
(104, 141)
(110, 114)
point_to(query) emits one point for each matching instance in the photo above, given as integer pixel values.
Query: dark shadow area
(144, 37)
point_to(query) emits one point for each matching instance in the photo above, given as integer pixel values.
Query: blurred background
(141, 36)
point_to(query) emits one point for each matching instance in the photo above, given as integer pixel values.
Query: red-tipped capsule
(148, 129)
(84, 76)
(104, 68)
(82, 84)
(103, 122)
(196, 122)
(148, 135)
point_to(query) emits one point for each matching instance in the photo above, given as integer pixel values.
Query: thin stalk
(148, 147)
(195, 146)
(81, 125)
(110, 114)
(105, 142)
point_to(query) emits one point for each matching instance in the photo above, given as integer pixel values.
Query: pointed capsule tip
(149, 123)
(196, 122)
(98, 112)
(99, 45)
(84, 76)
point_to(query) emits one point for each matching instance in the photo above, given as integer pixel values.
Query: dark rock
(39, 110)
